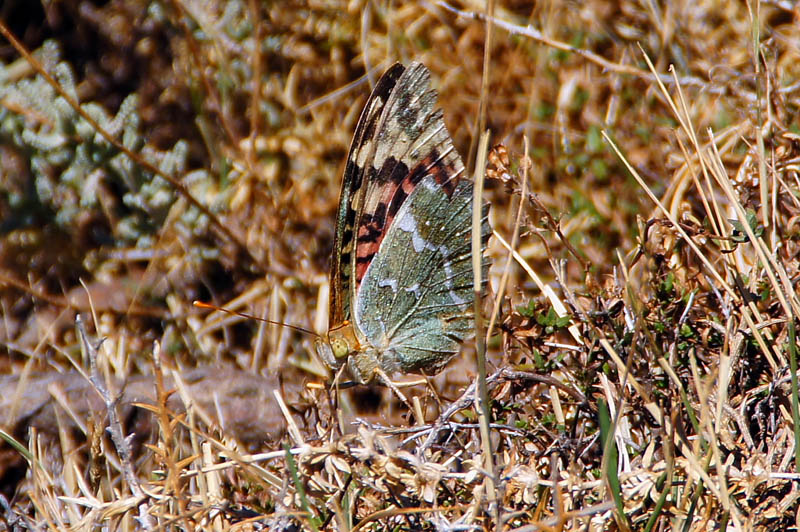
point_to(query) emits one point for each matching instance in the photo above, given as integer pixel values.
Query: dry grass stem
(641, 347)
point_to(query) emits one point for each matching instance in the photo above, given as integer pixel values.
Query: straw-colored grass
(642, 354)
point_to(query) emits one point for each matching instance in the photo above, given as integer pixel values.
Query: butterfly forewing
(360, 149)
(411, 141)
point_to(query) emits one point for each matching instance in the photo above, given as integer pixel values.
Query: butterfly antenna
(201, 304)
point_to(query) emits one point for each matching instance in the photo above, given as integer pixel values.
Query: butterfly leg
(392, 386)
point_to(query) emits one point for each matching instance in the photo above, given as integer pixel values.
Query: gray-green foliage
(70, 161)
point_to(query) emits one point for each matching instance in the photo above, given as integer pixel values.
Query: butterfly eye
(340, 348)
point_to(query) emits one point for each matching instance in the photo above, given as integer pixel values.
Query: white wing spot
(448, 271)
(391, 283)
(414, 288)
(409, 225)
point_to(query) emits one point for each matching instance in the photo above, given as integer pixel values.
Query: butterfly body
(401, 274)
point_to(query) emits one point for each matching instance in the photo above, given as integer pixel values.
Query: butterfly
(401, 273)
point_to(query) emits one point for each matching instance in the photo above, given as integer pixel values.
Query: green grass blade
(610, 458)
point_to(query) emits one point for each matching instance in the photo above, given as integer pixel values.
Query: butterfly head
(335, 347)
(341, 347)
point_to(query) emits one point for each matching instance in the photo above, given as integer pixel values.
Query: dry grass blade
(641, 351)
(482, 395)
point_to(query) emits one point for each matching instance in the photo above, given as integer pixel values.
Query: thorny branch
(121, 442)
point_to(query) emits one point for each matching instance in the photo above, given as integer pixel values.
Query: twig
(121, 443)
(536, 35)
(500, 376)
(483, 407)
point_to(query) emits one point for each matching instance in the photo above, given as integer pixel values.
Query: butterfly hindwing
(415, 301)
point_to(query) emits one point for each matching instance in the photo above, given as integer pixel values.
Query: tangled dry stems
(633, 297)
